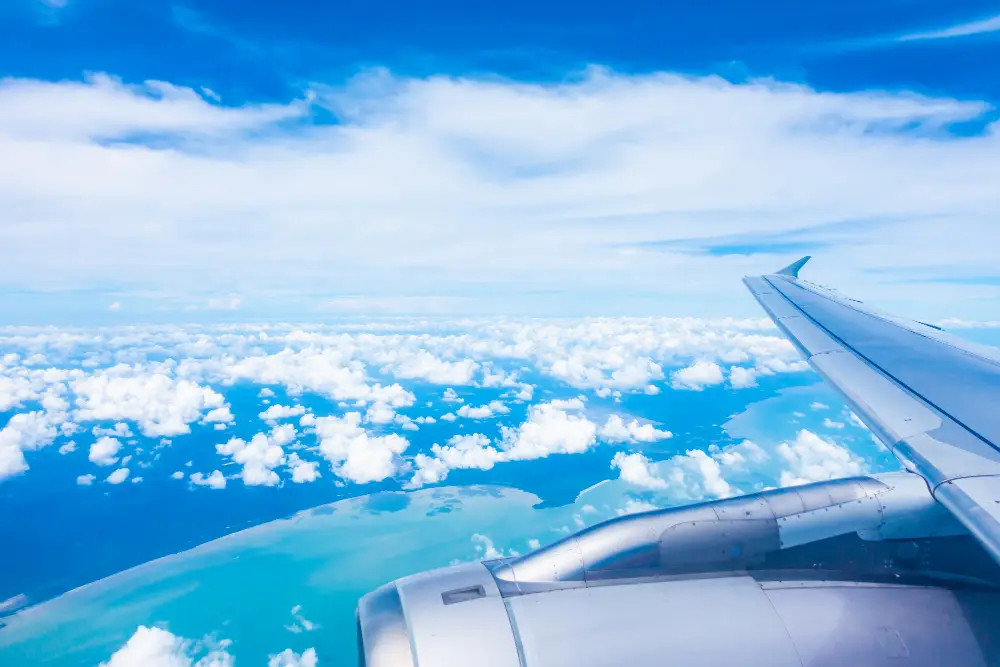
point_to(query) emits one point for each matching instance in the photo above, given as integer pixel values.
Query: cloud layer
(603, 188)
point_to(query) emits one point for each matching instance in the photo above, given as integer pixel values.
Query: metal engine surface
(867, 571)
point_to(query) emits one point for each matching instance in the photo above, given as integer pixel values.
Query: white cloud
(156, 647)
(289, 658)
(119, 430)
(462, 451)
(616, 430)
(303, 471)
(697, 376)
(85, 480)
(742, 378)
(115, 305)
(793, 157)
(810, 458)
(738, 455)
(222, 414)
(301, 623)
(483, 411)
(161, 405)
(816, 405)
(634, 506)
(29, 431)
(982, 26)
(450, 396)
(425, 366)
(711, 474)
(353, 453)
(68, 448)
(277, 411)
(636, 469)
(829, 423)
(328, 371)
(550, 429)
(177, 475)
(486, 550)
(104, 452)
(216, 480)
(259, 458)
(118, 476)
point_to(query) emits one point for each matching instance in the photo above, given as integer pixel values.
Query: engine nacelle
(863, 571)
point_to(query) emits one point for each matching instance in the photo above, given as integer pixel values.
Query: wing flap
(931, 398)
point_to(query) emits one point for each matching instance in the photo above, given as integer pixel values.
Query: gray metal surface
(475, 632)
(929, 396)
(384, 639)
(699, 623)
(729, 535)
(833, 625)
(856, 571)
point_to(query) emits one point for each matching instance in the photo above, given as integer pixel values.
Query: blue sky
(231, 161)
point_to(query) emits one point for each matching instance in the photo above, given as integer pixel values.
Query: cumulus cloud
(277, 411)
(303, 471)
(451, 396)
(85, 480)
(742, 378)
(219, 416)
(354, 454)
(216, 480)
(104, 451)
(810, 458)
(160, 404)
(29, 431)
(829, 423)
(697, 376)
(118, 476)
(462, 451)
(425, 366)
(554, 427)
(259, 457)
(738, 455)
(156, 647)
(289, 658)
(694, 475)
(483, 411)
(551, 428)
(486, 550)
(636, 469)
(328, 371)
(616, 430)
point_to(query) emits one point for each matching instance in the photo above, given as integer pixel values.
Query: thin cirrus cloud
(978, 27)
(488, 191)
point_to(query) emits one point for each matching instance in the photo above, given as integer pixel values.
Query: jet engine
(852, 572)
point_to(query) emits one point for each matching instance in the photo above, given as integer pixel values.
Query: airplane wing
(932, 398)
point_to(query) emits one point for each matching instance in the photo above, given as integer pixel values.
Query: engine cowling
(861, 571)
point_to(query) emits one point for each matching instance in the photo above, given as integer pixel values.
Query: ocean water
(111, 528)
(242, 587)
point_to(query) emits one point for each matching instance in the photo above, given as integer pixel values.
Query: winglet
(794, 268)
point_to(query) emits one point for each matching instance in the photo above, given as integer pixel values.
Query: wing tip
(794, 268)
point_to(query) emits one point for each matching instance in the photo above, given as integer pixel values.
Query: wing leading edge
(931, 397)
